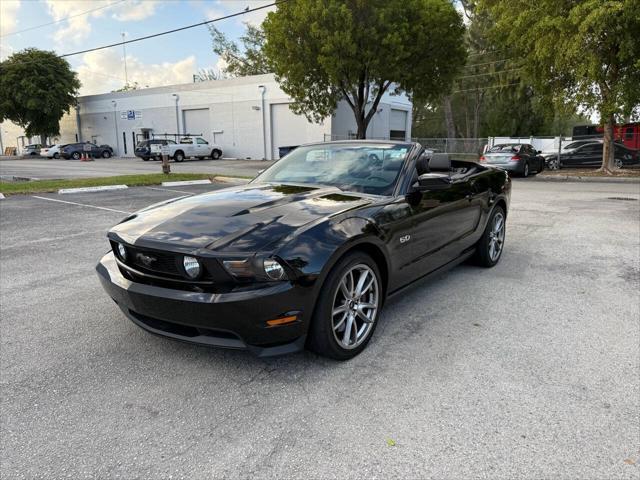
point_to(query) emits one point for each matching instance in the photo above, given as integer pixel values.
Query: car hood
(239, 219)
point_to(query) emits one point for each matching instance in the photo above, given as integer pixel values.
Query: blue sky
(164, 60)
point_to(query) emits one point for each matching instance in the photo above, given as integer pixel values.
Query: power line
(485, 88)
(237, 14)
(487, 63)
(484, 53)
(63, 19)
(490, 73)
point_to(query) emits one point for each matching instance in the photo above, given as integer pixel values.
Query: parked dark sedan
(307, 252)
(590, 155)
(75, 150)
(143, 149)
(519, 158)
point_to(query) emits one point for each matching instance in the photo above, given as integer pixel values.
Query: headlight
(122, 251)
(273, 269)
(191, 266)
(255, 269)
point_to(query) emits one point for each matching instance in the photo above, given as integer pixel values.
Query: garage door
(285, 128)
(196, 122)
(398, 124)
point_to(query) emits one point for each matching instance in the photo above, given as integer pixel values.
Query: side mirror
(433, 181)
(539, 151)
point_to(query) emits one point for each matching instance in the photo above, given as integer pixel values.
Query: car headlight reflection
(191, 266)
(273, 269)
(268, 269)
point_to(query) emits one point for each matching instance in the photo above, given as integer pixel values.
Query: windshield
(504, 148)
(372, 168)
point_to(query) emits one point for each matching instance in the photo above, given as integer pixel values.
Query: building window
(397, 134)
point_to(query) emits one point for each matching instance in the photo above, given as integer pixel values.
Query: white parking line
(81, 204)
(170, 190)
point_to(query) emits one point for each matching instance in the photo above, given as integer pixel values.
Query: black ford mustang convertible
(307, 252)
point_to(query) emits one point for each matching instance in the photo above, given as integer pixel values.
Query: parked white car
(189, 147)
(33, 149)
(51, 152)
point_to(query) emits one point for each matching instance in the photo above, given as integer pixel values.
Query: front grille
(164, 269)
(165, 263)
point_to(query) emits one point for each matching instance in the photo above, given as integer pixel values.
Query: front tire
(106, 154)
(525, 170)
(56, 156)
(490, 246)
(216, 154)
(348, 308)
(179, 157)
(75, 155)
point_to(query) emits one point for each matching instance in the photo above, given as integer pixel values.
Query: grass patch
(40, 186)
(592, 172)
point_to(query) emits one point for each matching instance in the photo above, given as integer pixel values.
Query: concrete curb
(186, 182)
(1, 196)
(104, 188)
(234, 180)
(570, 178)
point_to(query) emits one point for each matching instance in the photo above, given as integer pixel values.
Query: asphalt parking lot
(41, 168)
(531, 369)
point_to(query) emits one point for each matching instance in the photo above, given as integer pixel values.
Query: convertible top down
(307, 252)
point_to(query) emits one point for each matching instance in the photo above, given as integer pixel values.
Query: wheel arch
(502, 203)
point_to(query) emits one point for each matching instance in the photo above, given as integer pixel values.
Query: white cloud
(103, 71)
(221, 9)
(77, 28)
(135, 10)
(8, 23)
(8, 12)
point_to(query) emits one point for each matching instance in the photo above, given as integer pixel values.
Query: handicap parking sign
(131, 115)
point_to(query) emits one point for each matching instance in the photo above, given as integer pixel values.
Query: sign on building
(130, 114)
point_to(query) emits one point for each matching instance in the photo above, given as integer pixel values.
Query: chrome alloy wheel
(496, 236)
(355, 306)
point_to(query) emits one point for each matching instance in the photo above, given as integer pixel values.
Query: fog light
(273, 269)
(122, 251)
(191, 266)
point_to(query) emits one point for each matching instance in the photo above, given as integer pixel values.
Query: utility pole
(124, 52)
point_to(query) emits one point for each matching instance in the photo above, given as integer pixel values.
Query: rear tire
(346, 316)
(106, 154)
(75, 155)
(56, 156)
(145, 159)
(493, 238)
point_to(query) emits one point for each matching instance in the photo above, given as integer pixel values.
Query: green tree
(324, 50)
(244, 58)
(580, 52)
(36, 89)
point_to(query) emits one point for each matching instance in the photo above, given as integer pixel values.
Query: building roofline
(177, 88)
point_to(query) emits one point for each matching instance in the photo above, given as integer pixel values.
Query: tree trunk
(43, 140)
(448, 118)
(362, 126)
(608, 147)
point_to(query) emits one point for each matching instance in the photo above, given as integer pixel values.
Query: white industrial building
(249, 117)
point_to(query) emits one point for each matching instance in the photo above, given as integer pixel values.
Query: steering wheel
(374, 159)
(373, 177)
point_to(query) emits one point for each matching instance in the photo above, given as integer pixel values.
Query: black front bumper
(229, 320)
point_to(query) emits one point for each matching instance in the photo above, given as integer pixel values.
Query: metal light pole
(177, 117)
(115, 125)
(124, 51)
(263, 89)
